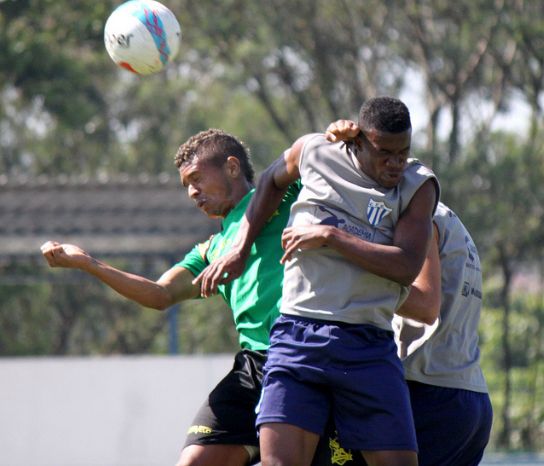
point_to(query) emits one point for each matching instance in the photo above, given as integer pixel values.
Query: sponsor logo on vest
(376, 211)
(332, 220)
(469, 290)
(199, 430)
(471, 249)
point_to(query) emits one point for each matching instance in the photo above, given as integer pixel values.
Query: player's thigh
(213, 455)
(371, 403)
(286, 445)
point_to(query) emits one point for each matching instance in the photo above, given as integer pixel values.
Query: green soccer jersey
(255, 296)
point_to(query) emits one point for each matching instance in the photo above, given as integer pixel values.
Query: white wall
(115, 411)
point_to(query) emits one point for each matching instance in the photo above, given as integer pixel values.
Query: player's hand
(302, 237)
(222, 270)
(341, 130)
(63, 255)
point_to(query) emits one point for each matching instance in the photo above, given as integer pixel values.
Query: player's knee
(273, 461)
(390, 458)
(190, 457)
(282, 459)
(213, 455)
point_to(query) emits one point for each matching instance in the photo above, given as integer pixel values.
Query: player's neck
(239, 192)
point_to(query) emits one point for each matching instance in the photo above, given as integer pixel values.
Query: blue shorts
(316, 369)
(453, 425)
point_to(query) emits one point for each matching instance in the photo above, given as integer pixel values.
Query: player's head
(216, 169)
(385, 114)
(384, 141)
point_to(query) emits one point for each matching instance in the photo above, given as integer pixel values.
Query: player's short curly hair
(386, 114)
(215, 145)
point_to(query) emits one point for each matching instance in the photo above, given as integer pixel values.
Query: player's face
(209, 185)
(383, 156)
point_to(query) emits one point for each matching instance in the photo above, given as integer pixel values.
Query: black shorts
(227, 417)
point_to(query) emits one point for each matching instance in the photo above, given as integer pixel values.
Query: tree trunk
(454, 135)
(505, 433)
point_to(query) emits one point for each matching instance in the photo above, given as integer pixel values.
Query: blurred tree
(52, 84)
(448, 43)
(66, 312)
(526, 25)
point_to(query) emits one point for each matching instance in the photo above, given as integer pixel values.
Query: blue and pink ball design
(142, 36)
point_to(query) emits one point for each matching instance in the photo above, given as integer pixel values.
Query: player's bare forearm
(269, 193)
(172, 287)
(386, 261)
(266, 200)
(400, 261)
(303, 237)
(134, 287)
(420, 305)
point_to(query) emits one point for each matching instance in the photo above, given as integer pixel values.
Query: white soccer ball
(142, 36)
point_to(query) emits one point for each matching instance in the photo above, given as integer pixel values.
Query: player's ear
(233, 166)
(359, 139)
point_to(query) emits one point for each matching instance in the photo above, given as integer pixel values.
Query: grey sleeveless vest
(450, 356)
(322, 284)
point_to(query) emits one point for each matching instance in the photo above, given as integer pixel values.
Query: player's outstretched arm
(273, 184)
(174, 285)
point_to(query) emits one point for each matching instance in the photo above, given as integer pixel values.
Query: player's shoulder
(414, 165)
(318, 145)
(417, 172)
(204, 247)
(415, 176)
(312, 140)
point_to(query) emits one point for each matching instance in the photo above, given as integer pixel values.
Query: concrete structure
(121, 215)
(115, 411)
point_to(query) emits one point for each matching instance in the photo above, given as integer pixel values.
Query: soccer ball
(142, 36)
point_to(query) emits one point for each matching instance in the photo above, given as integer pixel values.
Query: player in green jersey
(216, 170)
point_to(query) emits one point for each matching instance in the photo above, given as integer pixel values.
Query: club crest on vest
(376, 211)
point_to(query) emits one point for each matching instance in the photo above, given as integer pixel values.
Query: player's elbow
(155, 305)
(406, 278)
(160, 301)
(163, 306)
(405, 281)
(429, 319)
(166, 303)
(408, 272)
